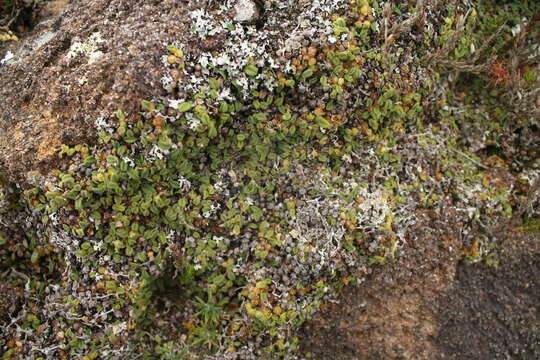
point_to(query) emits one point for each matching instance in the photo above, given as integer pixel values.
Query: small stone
(246, 11)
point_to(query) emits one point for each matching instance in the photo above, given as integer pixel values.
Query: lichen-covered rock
(84, 59)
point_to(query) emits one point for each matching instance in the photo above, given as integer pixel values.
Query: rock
(246, 11)
(83, 60)
(389, 316)
(429, 305)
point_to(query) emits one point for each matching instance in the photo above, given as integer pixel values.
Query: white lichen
(8, 58)
(89, 48)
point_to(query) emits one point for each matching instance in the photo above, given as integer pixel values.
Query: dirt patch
(430, 306)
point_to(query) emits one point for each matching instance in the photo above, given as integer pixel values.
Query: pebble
(246, 11)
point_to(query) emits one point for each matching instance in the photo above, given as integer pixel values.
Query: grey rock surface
(85, 59)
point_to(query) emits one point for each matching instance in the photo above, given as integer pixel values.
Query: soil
(428, 306)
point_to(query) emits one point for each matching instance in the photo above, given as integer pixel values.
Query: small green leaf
(530, 76)
(185, 106)
(120, 115)
(129, 251)
(212, 131)
(119, 207)
(147, 105)
(263, 284)
(213, 83)
(251, 70)
(259, 117)
(35, 257)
